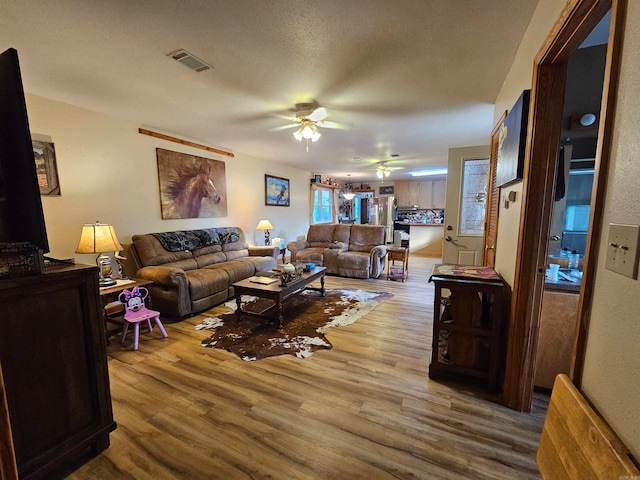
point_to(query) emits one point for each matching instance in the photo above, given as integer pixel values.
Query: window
(322, 205)
(474, 195)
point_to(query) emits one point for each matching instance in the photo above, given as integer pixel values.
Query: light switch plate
(622, 249)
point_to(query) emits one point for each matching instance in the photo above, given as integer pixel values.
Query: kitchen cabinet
(557, 334)
(425, 193)
(407, 192)
(439, 193)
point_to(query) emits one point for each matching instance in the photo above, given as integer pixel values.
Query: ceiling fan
(383, 170)
(308, 117)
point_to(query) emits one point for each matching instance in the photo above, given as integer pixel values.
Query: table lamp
(266, 226)
(99, 238)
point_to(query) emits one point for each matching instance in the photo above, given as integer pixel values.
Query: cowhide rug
(306, 317)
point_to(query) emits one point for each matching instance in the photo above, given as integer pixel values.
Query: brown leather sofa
(193, 270)
(356, 251)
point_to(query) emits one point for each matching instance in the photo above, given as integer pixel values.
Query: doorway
(571, 207)
(579, 18)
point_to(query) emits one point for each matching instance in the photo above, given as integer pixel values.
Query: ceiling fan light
(349, 195)
(386, 173)
(307, 132)
(316, 136)
(298, 134)
(379, 174)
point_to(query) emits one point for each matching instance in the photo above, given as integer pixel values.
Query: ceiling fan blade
(337, 125)
(318, 114)
(283, 127)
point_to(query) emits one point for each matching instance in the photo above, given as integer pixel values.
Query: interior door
(467, 178)
(493, 201)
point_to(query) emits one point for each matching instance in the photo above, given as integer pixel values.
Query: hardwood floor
(364, 409)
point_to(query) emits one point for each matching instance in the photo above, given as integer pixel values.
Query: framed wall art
(386, 190)
(191, 186)
(512, 142)
(276, 191)
(44, 155)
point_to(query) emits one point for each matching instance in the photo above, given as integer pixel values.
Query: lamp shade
(264, 225)
(98, 238)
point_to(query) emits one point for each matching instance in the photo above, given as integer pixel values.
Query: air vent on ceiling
(189, 60)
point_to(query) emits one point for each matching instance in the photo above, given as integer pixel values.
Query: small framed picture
(317, 178)
(44, 155)
(386, 190)
(276, 191)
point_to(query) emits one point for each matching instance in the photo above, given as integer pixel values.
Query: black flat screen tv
(21, 214)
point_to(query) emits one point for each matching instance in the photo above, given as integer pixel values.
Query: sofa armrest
(169, 291)
(165, 276)
(377, 260)
(295, 247)
(266, 251)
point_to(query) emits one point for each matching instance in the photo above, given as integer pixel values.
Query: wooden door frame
(577, 19)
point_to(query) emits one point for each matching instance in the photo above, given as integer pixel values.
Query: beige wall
(108, 172)
(611, 375)
(520, 78)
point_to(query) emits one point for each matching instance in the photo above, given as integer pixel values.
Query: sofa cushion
(209, 255)
(342, 234)
(321, 235)
(354, 261)
(365, 237)
(311, 255)
(204, 282)
(237, 270)
(151, 253)
(261, 264)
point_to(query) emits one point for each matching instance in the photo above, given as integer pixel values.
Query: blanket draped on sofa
(185, 240)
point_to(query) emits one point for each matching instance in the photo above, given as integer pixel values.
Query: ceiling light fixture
(349, 194)
(426, 173)
(587, 119)
(307, 131)
(383, 172)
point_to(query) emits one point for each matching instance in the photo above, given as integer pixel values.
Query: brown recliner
(348, 250)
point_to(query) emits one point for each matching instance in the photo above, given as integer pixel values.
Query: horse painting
(187, 188)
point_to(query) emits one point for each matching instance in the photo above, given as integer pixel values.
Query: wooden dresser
(54, 366)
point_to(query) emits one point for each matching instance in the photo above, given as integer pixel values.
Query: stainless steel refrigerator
(386, 208)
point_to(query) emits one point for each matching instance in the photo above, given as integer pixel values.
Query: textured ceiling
(412, 77)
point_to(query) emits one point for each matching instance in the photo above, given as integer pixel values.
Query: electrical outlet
(622, 249)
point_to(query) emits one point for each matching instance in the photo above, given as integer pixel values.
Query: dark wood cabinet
(470, 304)
(54, 365)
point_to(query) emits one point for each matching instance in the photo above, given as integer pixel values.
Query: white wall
(611, 378)
(108, 172)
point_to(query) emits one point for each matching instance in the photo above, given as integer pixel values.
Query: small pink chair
(136, 313)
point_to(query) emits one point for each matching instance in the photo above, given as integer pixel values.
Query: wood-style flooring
(363, 409)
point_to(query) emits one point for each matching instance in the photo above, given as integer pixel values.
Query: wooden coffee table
(277, 293)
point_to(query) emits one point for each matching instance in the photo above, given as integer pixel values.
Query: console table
(470, 304)
(54, 369)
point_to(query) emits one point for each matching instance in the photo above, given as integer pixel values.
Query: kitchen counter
(425, 235)
(563, 285)
(420, 224)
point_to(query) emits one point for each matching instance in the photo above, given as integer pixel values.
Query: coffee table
(277, 293)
